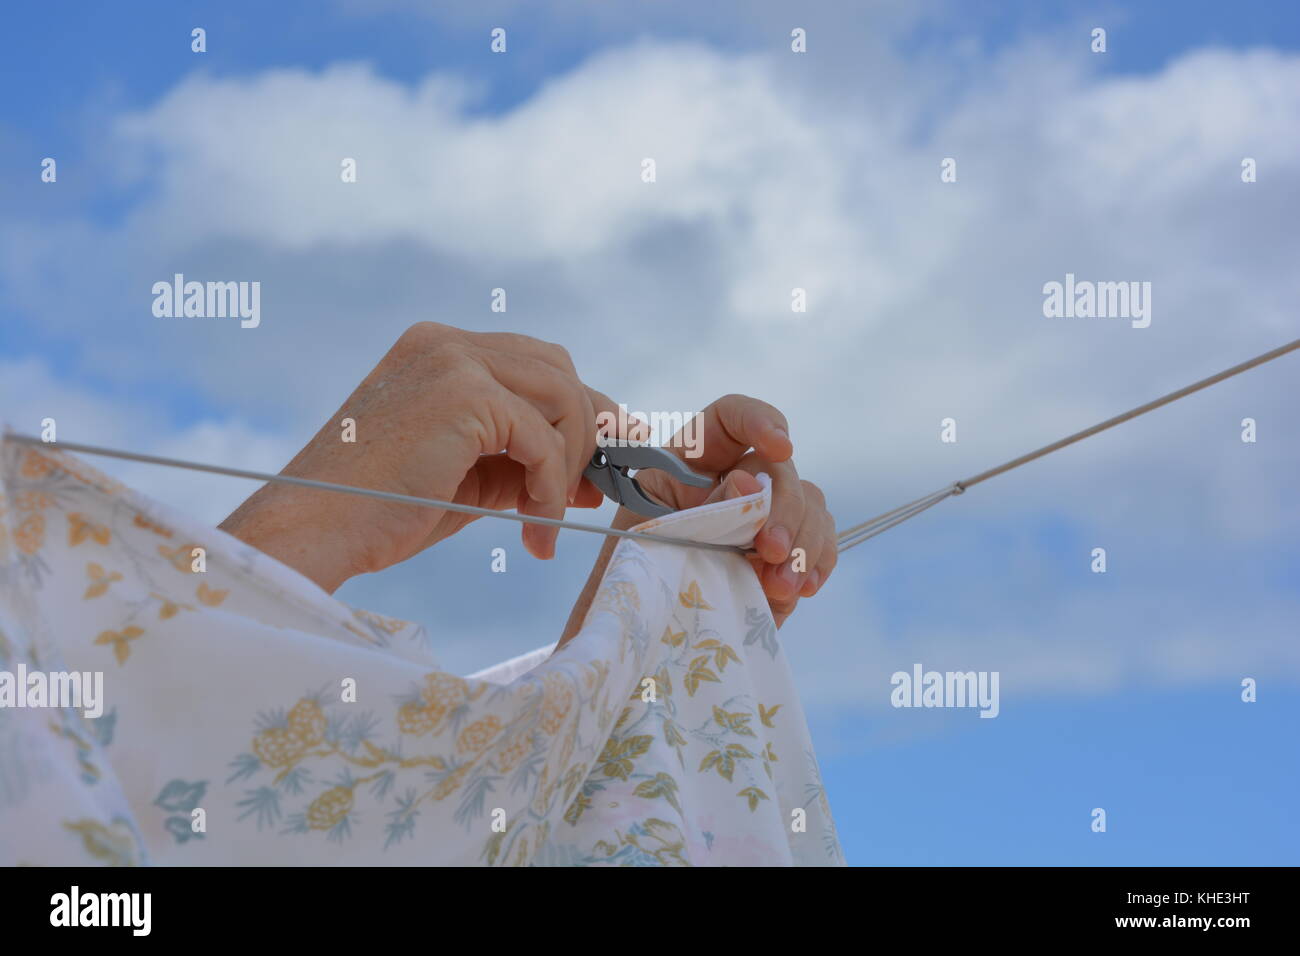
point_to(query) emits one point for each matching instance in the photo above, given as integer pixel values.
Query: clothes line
(848, 538)
(883, 522)
(365, 492)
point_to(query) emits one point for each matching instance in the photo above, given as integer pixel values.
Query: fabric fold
(250, 718)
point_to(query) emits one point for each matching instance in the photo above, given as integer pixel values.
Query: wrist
(289, 525)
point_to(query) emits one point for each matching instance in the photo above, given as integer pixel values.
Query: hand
(729, 429)
(494, 420)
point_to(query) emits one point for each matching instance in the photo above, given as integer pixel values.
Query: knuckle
(422, 335)
(559, 354)
(813, 494)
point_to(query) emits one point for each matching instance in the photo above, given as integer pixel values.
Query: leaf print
(80, 528)
(99, 580)
(115, 844)
(661, 785)
(181, 797)
(721, 652)
(169, 608)
(672, 735)
(739, 751)
(762, 629)
(180, 557)
(691, 597)
(673, 639)
(617, 759)
(769, 753)
(765, 714)
(210, 596)
(754, 795)
(140, 521)
(721, 761)
(698, 672)
(737, 722)
(724, 761)
(119, 639)
(182, 829)
(574, 813)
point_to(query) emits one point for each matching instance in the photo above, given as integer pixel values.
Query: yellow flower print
(765, 714)
(441, 694)
(414, 718)
(307, 722)
(99, 580)
(120, 641)
(478, 735)
(557, 701)
(36, 465)
(692, 597)
(80, 528)
(32, 501)
(509, 755)
(328, 810)
(30, 534)
(277, 747)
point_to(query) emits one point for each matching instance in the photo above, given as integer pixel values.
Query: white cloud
(925, 298)
(30, 392)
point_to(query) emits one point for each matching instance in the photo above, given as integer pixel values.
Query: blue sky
(1118, 690)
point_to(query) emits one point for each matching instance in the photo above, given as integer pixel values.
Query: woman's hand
(494, 420)
(728, 430)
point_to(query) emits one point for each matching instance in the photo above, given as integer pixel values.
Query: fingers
(778, 535)
(559, 397)
(736, 484)
(735, 423)
(826, 561)
(812, 554)
(529, 439)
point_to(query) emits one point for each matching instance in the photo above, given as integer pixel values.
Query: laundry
(252, 719)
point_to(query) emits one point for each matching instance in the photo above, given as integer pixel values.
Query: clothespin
(609, 467)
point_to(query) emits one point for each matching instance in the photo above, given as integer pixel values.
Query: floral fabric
(249, 718)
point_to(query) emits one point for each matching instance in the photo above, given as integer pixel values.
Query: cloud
(925, 302)
(31, 392)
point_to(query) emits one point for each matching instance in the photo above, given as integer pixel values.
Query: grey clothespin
(609, 467)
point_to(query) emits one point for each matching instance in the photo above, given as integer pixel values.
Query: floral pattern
(666, 733)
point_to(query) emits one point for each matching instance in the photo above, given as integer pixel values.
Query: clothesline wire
(848, 538)
(368, 493)
(889, 519)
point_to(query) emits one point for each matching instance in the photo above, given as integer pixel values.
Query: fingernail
(813, 583)
(779, 535)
